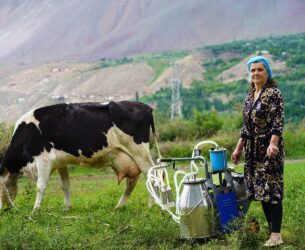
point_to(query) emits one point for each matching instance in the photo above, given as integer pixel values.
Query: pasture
(92, 223)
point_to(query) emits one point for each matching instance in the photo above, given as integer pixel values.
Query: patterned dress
(262, 119)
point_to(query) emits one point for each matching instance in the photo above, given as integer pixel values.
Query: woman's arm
(277, 113)
(235, 157)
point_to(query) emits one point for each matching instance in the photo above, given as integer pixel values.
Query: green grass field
(92, 223)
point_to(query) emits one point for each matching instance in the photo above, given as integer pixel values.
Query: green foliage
(232, 121)
(216, 66)
(207, 123)
(107, 62)
(159, 65)
(281, 47)
(294, 139)
(294, 78)
(223, 128)
(161, 100)
(183, 148)
(170, 130)
(176, 149)
(212, 94)
(296, 60)
(203, 124)
(202, 97)
(293, 94)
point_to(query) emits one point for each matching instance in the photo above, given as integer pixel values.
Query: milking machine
(201, 207)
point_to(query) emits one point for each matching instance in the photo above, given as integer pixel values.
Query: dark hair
(269, 84)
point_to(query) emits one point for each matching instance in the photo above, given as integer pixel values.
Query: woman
(261, 140)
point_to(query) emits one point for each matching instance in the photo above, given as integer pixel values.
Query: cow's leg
(64, 176)
(130, 184)
(8, 186)
(44, 171)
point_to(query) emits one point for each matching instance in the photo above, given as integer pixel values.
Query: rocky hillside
(52, 30)
(35, 86)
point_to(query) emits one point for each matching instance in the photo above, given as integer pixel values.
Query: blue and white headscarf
(263, 60)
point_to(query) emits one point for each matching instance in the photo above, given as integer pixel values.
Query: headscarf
(263, 60)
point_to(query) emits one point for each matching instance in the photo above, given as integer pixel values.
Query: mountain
(77, 30)
(100, 50)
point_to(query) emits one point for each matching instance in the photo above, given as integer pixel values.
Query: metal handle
(198, 158)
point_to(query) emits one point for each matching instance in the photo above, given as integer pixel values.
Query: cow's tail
(155, 137)
(1, 169)
(3, 161)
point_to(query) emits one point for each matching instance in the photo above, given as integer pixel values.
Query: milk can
(197, 213)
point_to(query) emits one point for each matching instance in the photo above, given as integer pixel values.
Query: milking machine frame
(203, 209)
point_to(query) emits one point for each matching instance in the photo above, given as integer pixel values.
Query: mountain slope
(50, 30)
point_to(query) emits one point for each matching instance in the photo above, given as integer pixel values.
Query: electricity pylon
(175, 83)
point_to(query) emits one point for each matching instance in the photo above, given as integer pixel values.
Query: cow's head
(8, 189)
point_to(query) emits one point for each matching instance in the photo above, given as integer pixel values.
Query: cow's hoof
(35, 212)
(119, 208)
(67, 209)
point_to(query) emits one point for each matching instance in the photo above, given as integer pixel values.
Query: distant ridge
(55, 30)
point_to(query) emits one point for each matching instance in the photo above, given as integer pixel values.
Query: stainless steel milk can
(197, 213)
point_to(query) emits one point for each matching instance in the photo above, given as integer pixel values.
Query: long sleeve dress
(262, 119)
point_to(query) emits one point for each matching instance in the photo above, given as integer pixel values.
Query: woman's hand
(272, 150)
(235, 157)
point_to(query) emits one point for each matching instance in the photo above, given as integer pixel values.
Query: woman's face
(258, 73)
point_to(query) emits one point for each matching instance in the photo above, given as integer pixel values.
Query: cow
(87, 134)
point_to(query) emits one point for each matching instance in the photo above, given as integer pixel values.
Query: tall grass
(93, 224)
(294, 139)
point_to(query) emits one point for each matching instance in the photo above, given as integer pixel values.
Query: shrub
(176, 149)
(207, 123)
(170, 130)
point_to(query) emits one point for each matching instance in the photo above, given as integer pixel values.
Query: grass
(94, 224)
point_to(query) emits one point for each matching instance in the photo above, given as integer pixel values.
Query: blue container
(228, 211)
(218, 159)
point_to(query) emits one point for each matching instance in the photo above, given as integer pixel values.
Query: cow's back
(74, 128)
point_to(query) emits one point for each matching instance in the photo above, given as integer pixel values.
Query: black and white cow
(89, 134)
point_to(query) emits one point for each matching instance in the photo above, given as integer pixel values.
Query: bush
(170, 130)
(207, 123)
(176, 149)
(232, 121)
